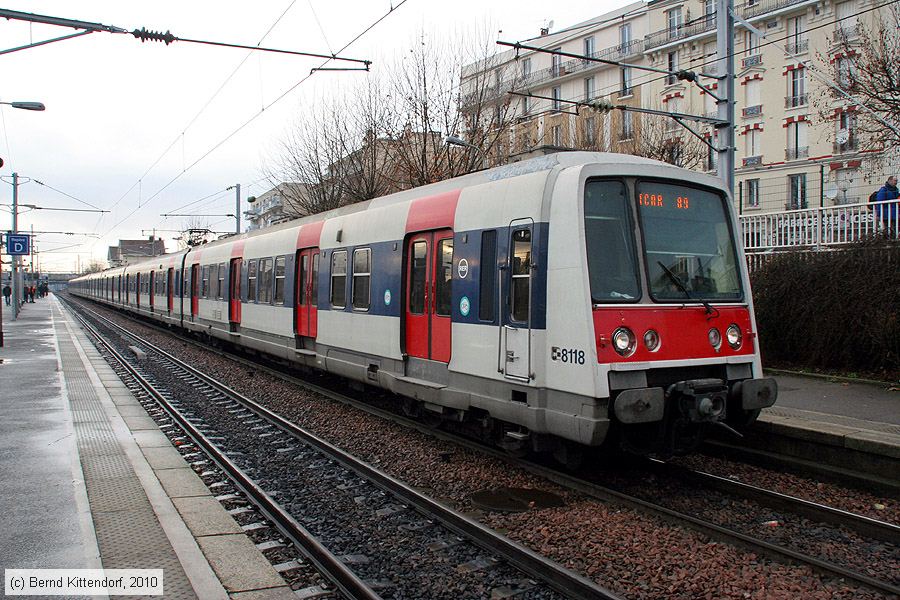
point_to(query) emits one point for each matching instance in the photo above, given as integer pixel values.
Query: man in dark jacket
(7, 292)
(887, 213)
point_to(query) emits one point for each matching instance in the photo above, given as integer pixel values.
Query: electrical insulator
(145, 35)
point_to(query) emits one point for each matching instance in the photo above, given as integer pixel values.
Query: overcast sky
(115, 105)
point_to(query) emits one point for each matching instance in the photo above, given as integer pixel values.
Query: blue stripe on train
(387, 267)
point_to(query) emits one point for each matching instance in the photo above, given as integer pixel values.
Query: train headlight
(733, 335)
(651, 340)
(715, 338)
(623, 341)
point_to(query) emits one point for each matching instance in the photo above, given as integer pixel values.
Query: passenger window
(301, 283)
(417, 280)
(314, 292)
(444, 277)
(220, 290)
(251, 280)
(362, 269)
(488, 282)
(521, 275)
(339, 279)
(265, 280)
(279, 280)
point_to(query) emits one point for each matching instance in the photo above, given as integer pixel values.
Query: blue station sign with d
(18, 245)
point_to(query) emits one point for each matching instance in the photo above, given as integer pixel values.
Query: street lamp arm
(38, 106)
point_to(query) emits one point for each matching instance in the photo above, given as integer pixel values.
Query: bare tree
(95, 266)
(867, 68)
(660, 138)
(194, 232)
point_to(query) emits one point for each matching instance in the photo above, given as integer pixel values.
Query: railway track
(431, 541)
(821, 514)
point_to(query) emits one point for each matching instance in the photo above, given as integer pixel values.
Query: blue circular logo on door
(387, 297)
(464, 306)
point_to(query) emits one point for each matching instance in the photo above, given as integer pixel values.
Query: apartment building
(795, 140)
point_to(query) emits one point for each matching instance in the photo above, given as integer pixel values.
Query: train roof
(542, 163)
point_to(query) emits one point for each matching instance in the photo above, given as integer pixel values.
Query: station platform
(89, 481)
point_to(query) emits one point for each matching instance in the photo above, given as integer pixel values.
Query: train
(568, 302)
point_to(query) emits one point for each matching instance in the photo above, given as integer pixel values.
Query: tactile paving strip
(783, 411)
(128, 532)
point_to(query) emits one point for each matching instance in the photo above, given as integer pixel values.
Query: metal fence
(819, 228)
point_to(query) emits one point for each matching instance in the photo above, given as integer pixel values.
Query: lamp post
(16, 287)
(456, 141)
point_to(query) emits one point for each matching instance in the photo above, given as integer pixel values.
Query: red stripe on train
(310, 235)
(433, 212)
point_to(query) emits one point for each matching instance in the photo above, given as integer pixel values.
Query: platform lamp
(457, 141)
(16, 293)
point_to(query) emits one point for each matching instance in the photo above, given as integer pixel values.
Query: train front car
(673, 333)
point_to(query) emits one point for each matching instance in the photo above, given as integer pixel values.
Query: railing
(672, 34)
(819, 227)
(796, 153)
(752, 60)
(752, 111)
(795, 101)
(848, 146)
(846, 31)
(751, 161)
(796, 47)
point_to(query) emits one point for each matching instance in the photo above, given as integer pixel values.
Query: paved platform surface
(89, 481)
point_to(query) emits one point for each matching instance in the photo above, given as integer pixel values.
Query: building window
(627, 131)
(845, 138)
(526, 68)
(588, 88)
(796, 88)
(797, 189)
(339, 279)
(751, 43)
(556, 98)
(752, 193)
(555, 62)
(279, 279)
(589, 46)
(526, 105)
(624, 36)
(796, 40)
(672, 65)
(362, 270)
(590, 136)
(625, 81)
(752, 90)
(251, 280)
(846, 72)
(674, 20)
(556, 135)
(751, 142)
(709, 8)
(265, 280)
(796, 147)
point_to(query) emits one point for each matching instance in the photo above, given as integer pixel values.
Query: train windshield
(609, 232)
(688, 244)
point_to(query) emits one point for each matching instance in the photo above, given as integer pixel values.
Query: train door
(428, 295)
(137, 290)
(170, 289)
(152, 290)
(234, 294)
(307, 292)
(515, 346)
(195, 290)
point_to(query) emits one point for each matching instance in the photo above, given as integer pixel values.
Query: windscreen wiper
(677, 281)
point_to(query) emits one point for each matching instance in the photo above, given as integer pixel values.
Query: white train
(555, 303)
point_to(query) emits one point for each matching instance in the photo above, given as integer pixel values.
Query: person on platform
(887, 213)
(31, 294)
(7, 292)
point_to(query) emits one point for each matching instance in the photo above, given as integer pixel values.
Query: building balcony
(796, 47)
(848, 146)
(751, 61)
(846, 31)
(622, 51)
(673, 34)
(796, 153)
(752, 161)
(795, 101)
(751, 111)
